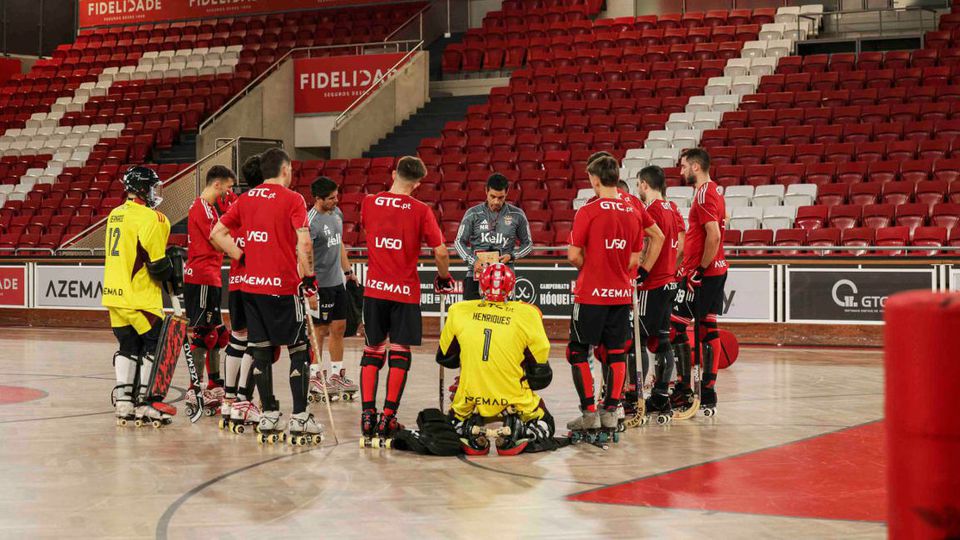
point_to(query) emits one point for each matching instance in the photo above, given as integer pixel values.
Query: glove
(696, 278)
(443, 285)
(642, 274)
(308, 285)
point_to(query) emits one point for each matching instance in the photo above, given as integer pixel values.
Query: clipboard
(486, 258)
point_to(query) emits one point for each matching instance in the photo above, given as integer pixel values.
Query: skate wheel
(208, 412)
(121, 422)
(363, 443)
(388, 443)
(157, 424)
(317, 439)
(138, 422)
(221, 424)
(709, 412)
(310, 398)
(662, 419)
(260, 438)
(239, 428)
(376, 443)
(616, 437)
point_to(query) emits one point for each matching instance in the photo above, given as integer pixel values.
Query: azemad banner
(111, 12)
(851, 295)
(68, 286)
(333, 83)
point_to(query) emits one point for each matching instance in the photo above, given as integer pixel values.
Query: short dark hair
(271, 161)
(596, 155)
(251, 171)
(411, 169)
(498, 182)
(219, 172)
(698, 156)
(322, 187)
(622, 184)
(653, 176)
(606, 169)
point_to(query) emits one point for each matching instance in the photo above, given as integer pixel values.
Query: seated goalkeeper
(501, 349)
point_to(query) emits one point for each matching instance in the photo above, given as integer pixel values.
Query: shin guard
(299, 376)
(617, 366)
(234, 354)
(582, 376)
(665, 363)
(711, 351)
(262, 354)
(399, 362)
(245, 383)
(370, 364)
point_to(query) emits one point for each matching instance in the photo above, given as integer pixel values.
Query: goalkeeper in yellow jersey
(135, 267)
(501, 349)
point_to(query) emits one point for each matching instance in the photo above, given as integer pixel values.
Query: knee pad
(399, 357)
(681, 334)
(577, 353)
(223, 337)
(203, 337)
(663, 343)
(710, 331)
(237, 345)
(373, 355)
(616, 356)
(129, 341)
(262, 355)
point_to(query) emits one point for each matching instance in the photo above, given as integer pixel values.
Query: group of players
(283, 257)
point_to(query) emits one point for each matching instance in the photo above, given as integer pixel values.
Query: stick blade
(197, 413)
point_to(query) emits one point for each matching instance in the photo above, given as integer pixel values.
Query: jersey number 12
(114, 234)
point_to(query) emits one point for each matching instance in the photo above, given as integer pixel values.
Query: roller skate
(125, 413)
(190, 401)
(243, 414)
(708, 401)
(511, 438)
(684, 402)
(368, 429)
(386, 429)
(344, 387)
(658, 408)
(155, 413)
(304, 430)
(586, 428)
(269, 430)
(634, 411)
(212, 400)
(317, 383)
(473, 436)
(610, 422)
(225, 409)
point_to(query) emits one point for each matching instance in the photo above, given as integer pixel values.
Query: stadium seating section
(70, 126)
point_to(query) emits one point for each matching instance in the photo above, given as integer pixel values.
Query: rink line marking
(164, 522)
(715, 460)
(464, 459)
(182, 391)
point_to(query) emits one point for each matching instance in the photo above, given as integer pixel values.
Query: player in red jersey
(704, 268)
(277, 252)
(203, 286)
(605, 246)
(655, 293)
(238, 406)
(396, 224)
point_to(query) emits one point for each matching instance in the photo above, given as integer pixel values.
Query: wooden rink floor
(795, 451)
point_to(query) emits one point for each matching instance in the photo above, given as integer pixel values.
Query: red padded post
(922, 366)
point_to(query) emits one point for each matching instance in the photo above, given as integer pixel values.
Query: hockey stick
(312, 334)
(697, 353)
(191, 365)
(640, 415)
(443, 318)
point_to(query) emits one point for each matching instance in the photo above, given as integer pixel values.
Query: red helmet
(496, 282)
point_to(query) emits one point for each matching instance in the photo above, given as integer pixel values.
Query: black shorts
(278, 320)
(400, 322)
(653, 308)
(238, 315)
(203, 305)
(710, 301)
(471, 288)
(332, 304)
(601, 325)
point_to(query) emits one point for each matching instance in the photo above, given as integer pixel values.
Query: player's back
(665, 267)
(136, 235)
(495, 338)
(608, 231)
(708, 205)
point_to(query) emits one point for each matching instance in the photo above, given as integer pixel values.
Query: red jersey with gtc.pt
(396, 226)
(665, 268)
(608, 231)
(269, 215)
(203, 260)
(708, 205)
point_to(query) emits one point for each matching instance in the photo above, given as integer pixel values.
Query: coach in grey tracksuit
(494, 225)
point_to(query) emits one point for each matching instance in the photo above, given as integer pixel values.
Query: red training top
(269, 215)
(203, 260)
(708, 205)
(608, 231)
(396, 226)
(665, 268)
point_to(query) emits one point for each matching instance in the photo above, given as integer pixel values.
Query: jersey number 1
(487, 338)
(115, 236)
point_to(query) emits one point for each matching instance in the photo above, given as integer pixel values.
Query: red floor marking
(835, 476)
(19, 394)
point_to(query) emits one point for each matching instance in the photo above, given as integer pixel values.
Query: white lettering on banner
(119, 7)
(613, 205)
(612, 293)
(389, 243)
(262, 193)
(212, 3)
(340, 79)
(392, 202)
(388, 287)
(616, 243)
(258, 237)
(261, 281)
(9, 284)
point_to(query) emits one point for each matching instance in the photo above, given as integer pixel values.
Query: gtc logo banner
(332, 83)
(849, 295)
